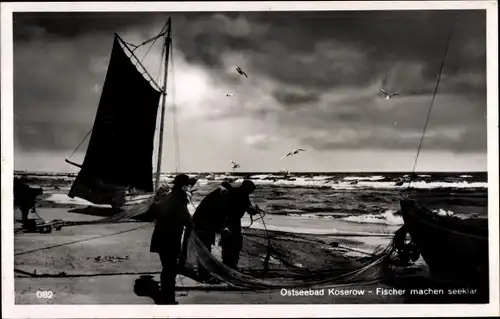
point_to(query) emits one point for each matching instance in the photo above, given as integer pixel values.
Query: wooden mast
(160, 146)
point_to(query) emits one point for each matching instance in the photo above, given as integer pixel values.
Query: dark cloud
(331, 64)
(393, 124)
(30, 25)
(347, 48)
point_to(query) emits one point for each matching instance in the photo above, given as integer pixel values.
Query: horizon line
(253, 172)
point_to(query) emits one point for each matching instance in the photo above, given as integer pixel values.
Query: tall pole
(160, 146)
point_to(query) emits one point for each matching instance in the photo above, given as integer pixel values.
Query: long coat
(172, 215)
(210, 213)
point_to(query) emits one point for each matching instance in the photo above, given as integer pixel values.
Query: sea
(321, 202)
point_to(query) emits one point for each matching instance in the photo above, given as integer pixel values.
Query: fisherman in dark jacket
(172, 215)
(209, 219)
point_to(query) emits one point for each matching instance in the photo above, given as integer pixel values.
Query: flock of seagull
(387, 95)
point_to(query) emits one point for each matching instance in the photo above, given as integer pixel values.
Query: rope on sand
(79, 241)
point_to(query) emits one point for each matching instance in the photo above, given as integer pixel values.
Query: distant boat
(284, 171)
(117, 168)
(453, 248)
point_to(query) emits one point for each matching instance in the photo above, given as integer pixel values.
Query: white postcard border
(10, 310)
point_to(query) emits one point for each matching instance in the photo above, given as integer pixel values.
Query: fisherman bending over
(221, 212)
(25, 197)
(172, 216)
(208, 220)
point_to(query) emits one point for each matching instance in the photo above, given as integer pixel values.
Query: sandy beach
(109, 263)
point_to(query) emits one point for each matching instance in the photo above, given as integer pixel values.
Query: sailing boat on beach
(117, 168)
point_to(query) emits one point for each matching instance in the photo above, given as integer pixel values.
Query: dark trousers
(25, 209)
(170, 269)
(231, 243)
(208, 239)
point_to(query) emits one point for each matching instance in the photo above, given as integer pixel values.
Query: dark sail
(120, 150)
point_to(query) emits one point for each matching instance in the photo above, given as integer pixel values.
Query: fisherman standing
(172, 216)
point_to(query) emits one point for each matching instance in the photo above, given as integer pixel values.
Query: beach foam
(388, 217)
(309, 182)
(64, 199)
(357, 178)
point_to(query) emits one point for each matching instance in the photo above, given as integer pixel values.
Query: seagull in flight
(296, 151)
(388, 95)
(240, 71)
(234, 165)
(229, 94)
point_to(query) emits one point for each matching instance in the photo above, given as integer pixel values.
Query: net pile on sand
(277, 259)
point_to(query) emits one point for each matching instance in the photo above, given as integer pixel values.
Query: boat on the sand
(117, 169)
(453, 248)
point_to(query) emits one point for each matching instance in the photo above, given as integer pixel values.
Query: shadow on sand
(146, 286)
(94, 211)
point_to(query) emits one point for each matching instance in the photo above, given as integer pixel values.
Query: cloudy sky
(314, 80)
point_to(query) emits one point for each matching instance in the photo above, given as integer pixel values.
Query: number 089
(44, 294)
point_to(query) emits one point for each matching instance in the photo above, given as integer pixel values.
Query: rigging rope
(431, 105)
(174, 112)
(83, 140)
(162, 32)
(161, 67)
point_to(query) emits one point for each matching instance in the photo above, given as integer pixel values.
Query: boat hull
(97, 191)
(453, 249)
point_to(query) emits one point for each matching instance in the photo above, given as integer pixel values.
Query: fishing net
(271, 259)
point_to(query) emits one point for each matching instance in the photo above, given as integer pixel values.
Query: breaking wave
(391, 181)
(335, 184)
(389, 217)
